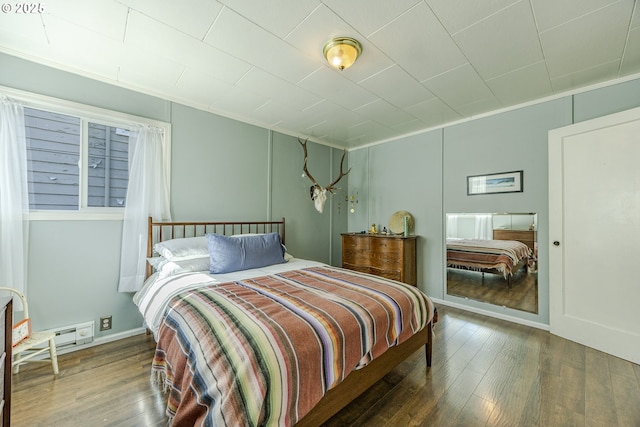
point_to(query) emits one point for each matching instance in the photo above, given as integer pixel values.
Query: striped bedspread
(264, 350)
(476, 254)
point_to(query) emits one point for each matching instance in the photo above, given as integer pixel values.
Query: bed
(503, 257)
(280, 344)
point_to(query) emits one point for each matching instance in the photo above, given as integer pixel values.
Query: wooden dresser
(6, 325)
(393, 257)
(528, 237)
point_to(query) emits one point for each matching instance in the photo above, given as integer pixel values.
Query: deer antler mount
(317, 192)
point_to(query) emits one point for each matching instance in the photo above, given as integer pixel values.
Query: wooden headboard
(161, 231)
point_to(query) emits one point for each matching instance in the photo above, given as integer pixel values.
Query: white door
(594, 233)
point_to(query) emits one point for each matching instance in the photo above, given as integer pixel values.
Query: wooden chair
(32, 345)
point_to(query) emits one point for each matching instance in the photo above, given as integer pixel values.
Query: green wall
(224, 169)
(425, 174)
(221, 169)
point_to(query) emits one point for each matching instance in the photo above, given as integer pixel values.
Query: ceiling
(425, 63)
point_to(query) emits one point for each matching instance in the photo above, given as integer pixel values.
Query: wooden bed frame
(158, 231)
(357, 382)
(509, 278)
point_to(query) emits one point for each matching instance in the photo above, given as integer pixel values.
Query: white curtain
(147, 195)
(452, 226)
(484, 227)
(14, 198)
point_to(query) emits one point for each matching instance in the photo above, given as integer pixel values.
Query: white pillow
(180, 249)
(166, 268)
(157, 262)
(184, 266)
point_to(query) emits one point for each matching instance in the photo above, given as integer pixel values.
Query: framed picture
(505, 182)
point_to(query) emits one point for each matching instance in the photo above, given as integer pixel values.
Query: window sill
(74, 216)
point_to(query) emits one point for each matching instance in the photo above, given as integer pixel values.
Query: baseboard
(501, 316)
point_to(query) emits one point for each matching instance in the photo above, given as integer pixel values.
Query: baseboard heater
(74, 335)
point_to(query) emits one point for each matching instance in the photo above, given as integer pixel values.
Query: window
(78, 157)
(108, 166)
(55, 144)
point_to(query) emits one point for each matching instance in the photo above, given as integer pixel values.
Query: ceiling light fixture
(342, 52)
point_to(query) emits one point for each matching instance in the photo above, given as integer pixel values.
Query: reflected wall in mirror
(493, 258)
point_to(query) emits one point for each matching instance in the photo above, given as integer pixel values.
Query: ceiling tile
(522, 85)
(586, 76)
(214, 62)
(429, 50)
(366, 19)
(272, 112)
(382, 112)
(456, 15)
(459, 87)
(283, 92)
(279, 17)
(247, 41)
(404, 92)
(478, 107)
(328, 111)
(367, 132)
(412, 126)
(585, 42)
(434, 112)
(328, 83)
(551, 13)
(631, 60)
(67, 47)
(635, 17)
(501, 43)
(218, 95)
(146, 65)
(106, 17)
(24, 34)
(146, 34)
(194, 18)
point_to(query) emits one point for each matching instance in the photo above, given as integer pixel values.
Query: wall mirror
(493, 258)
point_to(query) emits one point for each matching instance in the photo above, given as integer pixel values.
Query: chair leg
(53, 355)
(16, 367)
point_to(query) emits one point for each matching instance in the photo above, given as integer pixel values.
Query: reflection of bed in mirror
(503, 257)
(515, 283)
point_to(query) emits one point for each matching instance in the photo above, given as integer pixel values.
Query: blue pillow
(228, 253)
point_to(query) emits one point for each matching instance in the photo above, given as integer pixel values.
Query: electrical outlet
(105, 323)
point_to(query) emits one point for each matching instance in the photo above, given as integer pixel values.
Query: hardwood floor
(492, 288)
(486, 372)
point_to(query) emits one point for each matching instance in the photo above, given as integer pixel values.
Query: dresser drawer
(387, 246)
(392, 257)
(356, 257)
(351, 242)
(387, 260)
